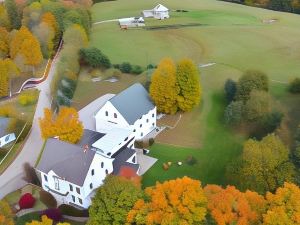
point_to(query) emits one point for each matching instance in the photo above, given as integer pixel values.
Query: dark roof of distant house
(4, 121)
(121, 158)
(133, 102)
(67, 160)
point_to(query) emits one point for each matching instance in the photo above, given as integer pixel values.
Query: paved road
(11, 179)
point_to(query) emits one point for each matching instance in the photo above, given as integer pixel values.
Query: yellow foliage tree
(4, 42)
(25, 43)
(8, 70)
(189, 85)
(45, 221)
(163, 89)
(6, 215)
(177, 202)
(65, 125)
(283, 206)
(230, 206)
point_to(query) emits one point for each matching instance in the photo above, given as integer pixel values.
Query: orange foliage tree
(283, 206)
(230, 206)
(66, 125)
(181, 201)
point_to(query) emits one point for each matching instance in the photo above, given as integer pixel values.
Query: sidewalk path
(12, 178)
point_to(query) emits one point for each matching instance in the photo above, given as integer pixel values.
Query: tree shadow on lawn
(220, 146)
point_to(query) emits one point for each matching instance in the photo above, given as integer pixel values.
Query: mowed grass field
(232, 36)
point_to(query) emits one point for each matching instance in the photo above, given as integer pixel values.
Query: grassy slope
(234, 37)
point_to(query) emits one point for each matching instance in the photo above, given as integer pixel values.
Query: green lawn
(232, 36)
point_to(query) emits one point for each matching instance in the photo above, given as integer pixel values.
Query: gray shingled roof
(121, 158)
(133, 102)
(68, 160)
(4, 121)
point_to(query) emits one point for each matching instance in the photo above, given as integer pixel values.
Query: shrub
(28, 97)
(191, 160)
(151, 141)
(94, 57)
(272, 121)
(27, 201)
(136, 69)
(234, 112)
(72, 211)
(53, 213)
(150, 67)
(116, 66)
(230, 90)
(48, 199)
(294, 86)
(125, 67)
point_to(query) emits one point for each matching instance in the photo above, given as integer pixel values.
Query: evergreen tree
(188, 81)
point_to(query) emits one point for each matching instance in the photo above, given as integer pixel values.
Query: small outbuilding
(5, 136)
(131, 22)
(159, 12)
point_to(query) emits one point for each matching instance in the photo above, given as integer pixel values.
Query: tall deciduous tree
(189, 84)
(45, 221)
(265, 164)
(24, 43)
(13, 14)
(4, 42)
(8, 70)
(283, 206)
(113, 200)
(65, 125)
(230, 206)
(164, 89)
(4, 20)
(6, 215)
(180, 201)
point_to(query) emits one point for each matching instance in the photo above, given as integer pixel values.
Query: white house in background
(5, 137)
(159, 12)
(71, 173)
(130, 109)
(132, 22)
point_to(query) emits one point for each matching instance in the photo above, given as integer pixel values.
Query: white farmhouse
(71, 173)
(131, 109)
(132, 22)
(5, 137)
(159, 12)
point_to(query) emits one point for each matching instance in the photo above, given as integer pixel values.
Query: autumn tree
(66, 125)
(24, 43)
(230, 206)
(13, 14)
(4, 42)
(8, 70)
(6, 215)
(164, 89)
(4, 20)
(265, 165)
(189, 85)
(251, 80)
(49, 19)
(181, 201)
(45, 221)
(283, 206)
(113, 200)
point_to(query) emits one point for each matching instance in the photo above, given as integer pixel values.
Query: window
(106, 171)
(126, 139)
(7, 138)
(56, 182)
(102, 164)
(106, 113)
(147, 120)
(91, 185)
(115, 115)
(134, 130)
(93, 172)
(142, 134)
(78, 190)
(153, 124)
(71, 187)
(133, 159)
(141, 125)
(153, 115)
(46, 178)
(73, 198)
(80, 201)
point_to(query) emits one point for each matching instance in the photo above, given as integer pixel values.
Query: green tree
(125, 67)
(294, 86)
(265, 164)
(234, 112)
(163, 88)
(113, 200)
(13, 14)
(94, 57)
(251, 80)
(189, 84)
(230, 90)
